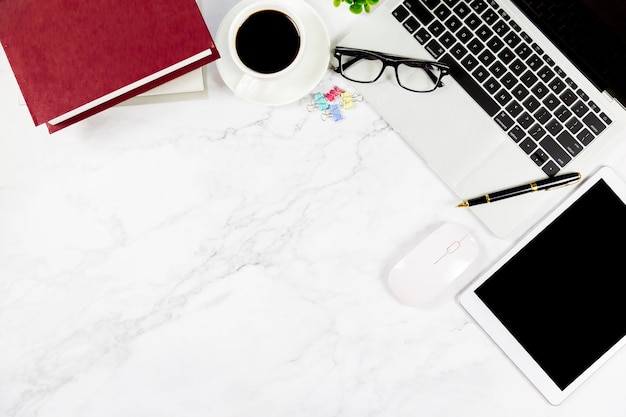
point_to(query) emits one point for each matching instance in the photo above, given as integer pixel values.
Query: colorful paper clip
(348, 99)
(334, 111)
(319, 103)
(333, 93)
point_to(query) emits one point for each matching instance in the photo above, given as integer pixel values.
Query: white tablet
(556, 302)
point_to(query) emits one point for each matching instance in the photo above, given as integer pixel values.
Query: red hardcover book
(75, 58)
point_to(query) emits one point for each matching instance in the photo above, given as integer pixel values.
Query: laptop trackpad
(449, 131)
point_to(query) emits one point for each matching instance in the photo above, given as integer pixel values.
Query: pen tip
(463, 204)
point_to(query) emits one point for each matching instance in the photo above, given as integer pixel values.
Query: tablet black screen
(563, 296)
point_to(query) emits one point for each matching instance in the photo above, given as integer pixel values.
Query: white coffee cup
(266, 41)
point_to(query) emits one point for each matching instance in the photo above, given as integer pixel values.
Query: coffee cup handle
(244, 85)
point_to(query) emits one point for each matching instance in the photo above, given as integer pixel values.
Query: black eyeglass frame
(393, 61)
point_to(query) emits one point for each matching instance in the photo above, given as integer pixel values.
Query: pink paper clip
(333, 93)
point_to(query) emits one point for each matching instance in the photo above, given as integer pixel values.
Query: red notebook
(75, 58)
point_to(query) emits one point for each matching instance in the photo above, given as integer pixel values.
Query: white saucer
(298, 82)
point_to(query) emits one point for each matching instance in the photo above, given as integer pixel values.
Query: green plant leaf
(356, 8)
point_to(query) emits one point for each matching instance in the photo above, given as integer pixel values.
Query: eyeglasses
(363, 66)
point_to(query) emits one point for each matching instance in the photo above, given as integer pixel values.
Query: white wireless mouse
(435, 263)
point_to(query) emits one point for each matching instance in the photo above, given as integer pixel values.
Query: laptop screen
(590, 32)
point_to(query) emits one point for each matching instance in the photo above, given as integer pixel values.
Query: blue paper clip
(334, 111)
(319, 103)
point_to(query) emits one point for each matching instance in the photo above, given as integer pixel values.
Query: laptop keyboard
(514, 81)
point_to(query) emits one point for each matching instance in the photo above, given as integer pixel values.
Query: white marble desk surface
(218, 258)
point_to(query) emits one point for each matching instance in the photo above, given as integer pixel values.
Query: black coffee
(268, 41)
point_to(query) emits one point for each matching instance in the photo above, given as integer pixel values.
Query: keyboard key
(523, 51)
(528, 79)
(503, 97)
(567, 141)
(508, 80)
(536, 132)
(554, 127)
(479, 6)
(573, 125)
(464, 35)
(525, 36)
(585, 137)
(512, 40)
(497, 68)
(418, 9)
(422, 36)
(534, 62)
(514, 108)
(495, 44)
(562, 113)
(605, 119)
(447, 39)
(435, 49)
(518, 67)
(582, 95)
(548, 60)
(525, 120)
(528, 145)
(480, 73)
(593, 106)
(490, 16)
(557, 85)
(442, 12)
(580, 108)
(531, 104)
(553, 149)
(487, 58)
(546, 74)
(516, 133)
(520, 92)
(550, 168)
(593, 123)
(568, 97)
(462, 10)
(453, 24)
(436, 28)
(471, 87)
(504, 121)
(539, 157)
(542, 115)
(475, 46)
(573, 85)
(469, 63)
(491, 85)
(458, 51)
(540, 90)
(473, 21)
(411, 24)
(484, 33)
(551, 102)
(501, 28)
(400, 13)
(431, 3)
(506, 55)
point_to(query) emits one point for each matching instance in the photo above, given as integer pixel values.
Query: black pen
(547, 184)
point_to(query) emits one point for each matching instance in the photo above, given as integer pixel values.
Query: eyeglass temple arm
(433, 77)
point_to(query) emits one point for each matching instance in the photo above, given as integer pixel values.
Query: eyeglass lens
(367, 68)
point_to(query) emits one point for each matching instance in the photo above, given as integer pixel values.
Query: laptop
(535, 90)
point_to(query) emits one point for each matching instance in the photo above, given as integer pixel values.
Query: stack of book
(75, 58)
